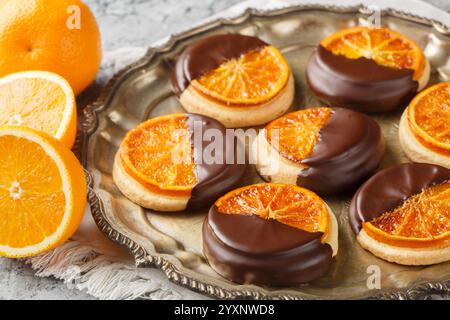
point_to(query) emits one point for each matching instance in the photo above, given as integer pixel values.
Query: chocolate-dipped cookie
(402, 214)
(162, 163)
(327, 150)
(270, 234)
(424, 126)
(367, 69)
(239, 80)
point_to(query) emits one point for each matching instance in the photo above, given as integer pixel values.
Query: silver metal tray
(172, 241)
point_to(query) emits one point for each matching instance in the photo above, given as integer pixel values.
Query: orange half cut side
(39, 100)
(42, 192)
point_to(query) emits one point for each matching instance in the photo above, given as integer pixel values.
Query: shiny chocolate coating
(249, 249)
(389, 188)
(214, 178)
(359, 84)
(349, 149)
(208, 54)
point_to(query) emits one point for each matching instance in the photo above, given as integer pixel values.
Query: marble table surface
(122, 23)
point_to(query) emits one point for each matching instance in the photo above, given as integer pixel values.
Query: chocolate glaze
(213, 179)
(248, 249)
(389, 188)
(349, 149)
(360, 84)
(209, 53)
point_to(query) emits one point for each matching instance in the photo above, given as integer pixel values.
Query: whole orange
(60, 36)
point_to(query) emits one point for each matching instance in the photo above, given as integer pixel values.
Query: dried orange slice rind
(429, 117)
(158, 153)
(295, 134)
(253, 78)
(385, 46)
(423, 220)
(289, 204)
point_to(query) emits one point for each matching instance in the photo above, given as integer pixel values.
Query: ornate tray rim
(142, 256)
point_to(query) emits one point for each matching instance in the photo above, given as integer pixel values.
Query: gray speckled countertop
(122, 23)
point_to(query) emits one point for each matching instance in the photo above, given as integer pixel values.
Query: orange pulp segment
(423, 220)
(385, 46)
(158, 153)
(253, 78)
(289, 204)
(295, 134)
(429, 117)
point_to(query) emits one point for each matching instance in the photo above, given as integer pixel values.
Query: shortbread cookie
(402, 214)
(270, 234)
(367, 69)
(162, 164)
(424, 130)
(327, 150)
(239, 80)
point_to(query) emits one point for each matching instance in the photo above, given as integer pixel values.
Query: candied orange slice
(386, 47)
(423, 220)
(158, 153)
(295, 134)
(253, 78)
(289, 204)
(429, 117)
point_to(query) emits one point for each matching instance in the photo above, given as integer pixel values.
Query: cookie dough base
(405, 256)
(242, 116)
(140, 195)
(270, 165)
(414, 149)
(333, 236)
(425, 77)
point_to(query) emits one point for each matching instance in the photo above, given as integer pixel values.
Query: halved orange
(429, 117)
(39, 100)
(42, 192)
(423, 220)
(385, 46)
(289, 204)
(158, 153)
(253, 78)
(295, 134)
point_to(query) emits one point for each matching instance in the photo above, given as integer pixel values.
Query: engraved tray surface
(172, 241)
